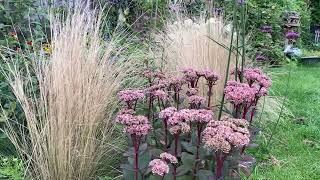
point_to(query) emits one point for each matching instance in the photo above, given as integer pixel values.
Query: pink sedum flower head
(261, 91)
(239, 93)
(169, 158)
(256, 75)
(252, 74)
(180, 128)
(138, 126)
(186, 114)
(168, 112)
(130, 95)
(192, 91)
(178, 122)
(156, 87)
(195, 99)
(125, 116)
(264, 81)
(176, 83)
(190, 74)
(124, 119)
(161, 94)
(159, 167)
(222, 135)
(238, 122)
(215, 141)
(210, 76)
(202, 116)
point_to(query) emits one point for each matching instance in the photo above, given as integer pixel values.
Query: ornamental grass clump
(198, 44)
(69, 99)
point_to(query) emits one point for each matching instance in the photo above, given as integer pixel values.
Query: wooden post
(317, 36)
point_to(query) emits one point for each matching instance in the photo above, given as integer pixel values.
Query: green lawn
(294, 152)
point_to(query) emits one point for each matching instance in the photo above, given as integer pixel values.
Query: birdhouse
(291, 19)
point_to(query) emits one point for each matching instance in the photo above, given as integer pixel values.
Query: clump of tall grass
(69, 100)
(199, 44)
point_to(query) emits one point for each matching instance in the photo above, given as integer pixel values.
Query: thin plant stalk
(237, 56)
(197, 158)
(282, 108)
(210, 86)
(199, 130)
(229, 60)
(176, 140)
(220, 157)
(165, 124)
(253, 111)
(245, 111)
(243, 21)
(136, 144)
(150, 115)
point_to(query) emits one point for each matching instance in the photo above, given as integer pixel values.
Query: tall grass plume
(69, 100)
(198, 44)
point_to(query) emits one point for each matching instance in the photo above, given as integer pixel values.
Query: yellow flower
(47, 48)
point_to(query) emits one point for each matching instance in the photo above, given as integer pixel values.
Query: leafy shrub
(315, 13)
(11, 168)
(270, 13)
(22, 28)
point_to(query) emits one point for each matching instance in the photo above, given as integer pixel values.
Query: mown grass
(294, 151)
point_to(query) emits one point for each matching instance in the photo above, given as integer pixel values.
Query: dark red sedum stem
(176, 139)
(136, 144)
(219, 164)
(165, 134)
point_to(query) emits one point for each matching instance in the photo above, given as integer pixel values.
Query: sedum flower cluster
(239, 93)
(136, 125)
(256, 85)
(227, 133)
(161, 166)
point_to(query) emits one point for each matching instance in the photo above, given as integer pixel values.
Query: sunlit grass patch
(294, 151)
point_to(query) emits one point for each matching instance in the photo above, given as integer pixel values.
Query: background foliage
(315, 13)
(263, 12)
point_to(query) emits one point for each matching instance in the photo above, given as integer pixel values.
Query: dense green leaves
(315, 13)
